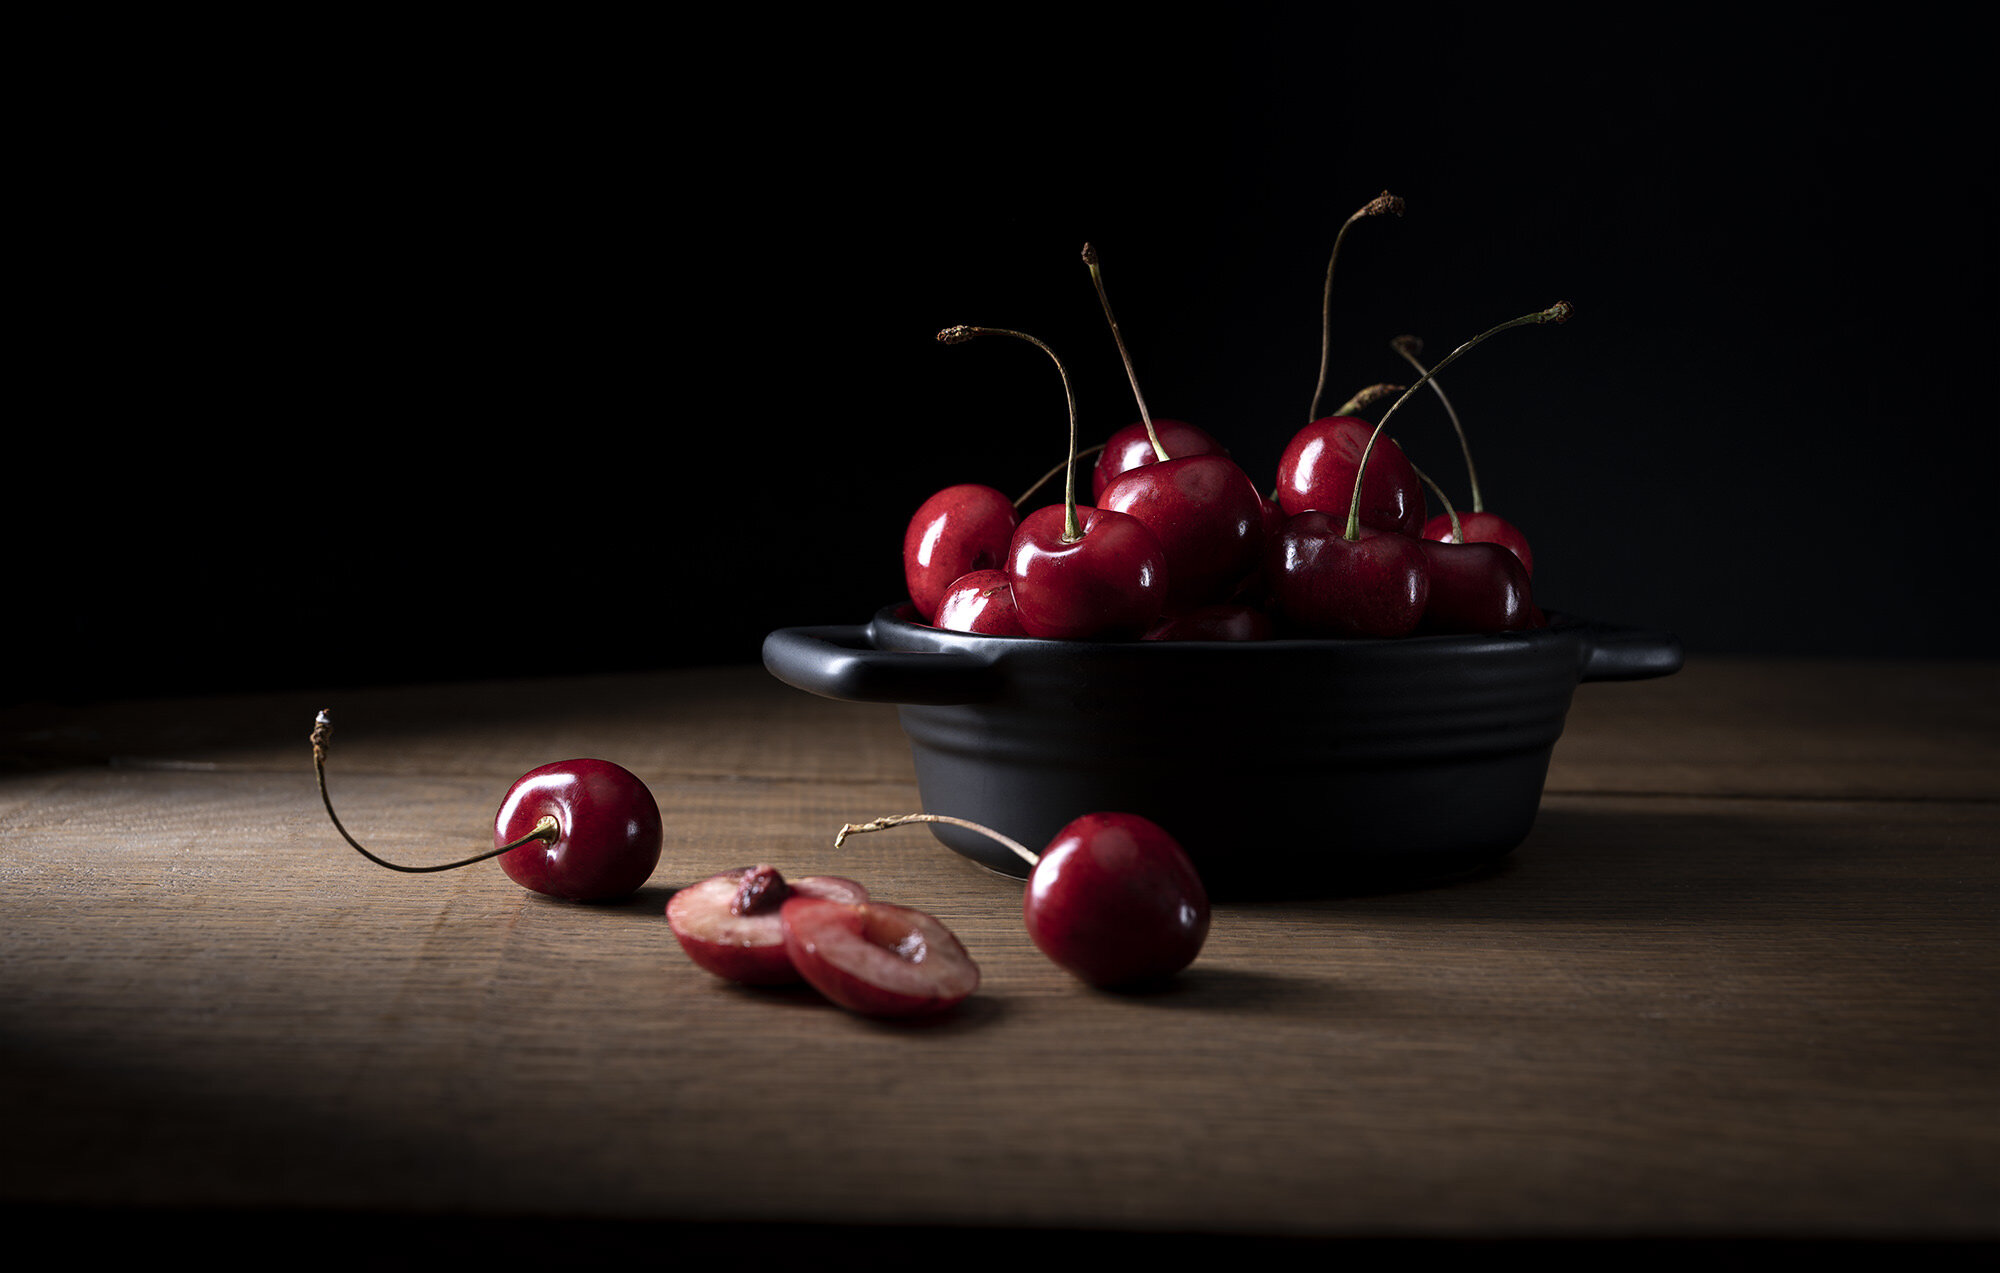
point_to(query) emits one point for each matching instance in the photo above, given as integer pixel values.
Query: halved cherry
(877, 959)
(729, 923)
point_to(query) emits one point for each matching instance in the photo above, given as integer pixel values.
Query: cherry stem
(546, 830)
(1381, 203)
(1368, 397)
(1072, 527)
(1556, 313)
(903, 819)
(1043, 480)
(1145, 416)
(1409, 347)
(1457, 531)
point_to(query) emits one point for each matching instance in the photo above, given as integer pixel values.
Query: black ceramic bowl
(1286, 768)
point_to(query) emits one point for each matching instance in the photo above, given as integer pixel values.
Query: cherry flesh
(1130, 448)
(877, 959)
(982, 602)
(1115, 900)
(961, 528)
(1108, 581)
(1208, 517)
(729, 924)
(609, 831)
(1376, 585)
(1316, 473)
(1475, 588)
(1483, 528)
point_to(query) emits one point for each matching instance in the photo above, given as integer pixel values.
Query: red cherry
(1115, 900)
(609, 840)
(729, 925)
(1130, 448)
(1374, 585)
(877, 959)
(1317, 470)
(959, 529)
(1483, 528)
(585, 830)
(1475, 588)
(983, 602)
(1107, 582)
(1208, 517)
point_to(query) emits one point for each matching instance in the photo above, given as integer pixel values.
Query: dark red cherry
(1214, 623)
(1483, 528)
(1376, 585)
(1475, 588)
(1115, 900)
(1130, 448)
(961, 528)
(609, 831)
(982, 601)
(1316, 473)
(1208, 517)
(1107, 582)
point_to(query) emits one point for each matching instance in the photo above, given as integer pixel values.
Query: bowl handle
(1614, 653)
(841, 661)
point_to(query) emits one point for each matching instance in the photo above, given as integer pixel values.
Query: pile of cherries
(1179, 543)
(1113, 899)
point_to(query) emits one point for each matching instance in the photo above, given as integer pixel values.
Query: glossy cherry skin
(877, 959)
(610, 833)
(961, 528)
(1111, 583)
(1115, 900)
(1329, 585)
(1475, 588)
(1129, 448)
(729, 925)
(1482, 528)
(1209, 520)
(982, 601)
(1316, 472)
(1214, 623)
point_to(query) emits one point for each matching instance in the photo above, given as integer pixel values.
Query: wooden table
(1739, 984)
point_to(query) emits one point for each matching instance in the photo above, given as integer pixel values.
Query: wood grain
(1739, 983)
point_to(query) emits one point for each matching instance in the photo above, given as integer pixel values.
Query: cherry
(1475, 587)
(1079, 572)
(1373, 584)
(981, 601)
(1205, 510)
(729, 923)
(1132, 446)
(1113, 898)
(1477, 526)
(961, 528)
(877, 959)
(584, 830)
(1318, 468)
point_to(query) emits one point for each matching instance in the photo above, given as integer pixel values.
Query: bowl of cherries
(1313, 683)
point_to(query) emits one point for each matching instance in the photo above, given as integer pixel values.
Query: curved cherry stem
(1409, 347)
(1368, 397)
(1072, 528)
(1381, 203)
(1043, 480)
(546, 830)
(903, 819)
(1457, 531)
(1556, 313)
(1145, 416)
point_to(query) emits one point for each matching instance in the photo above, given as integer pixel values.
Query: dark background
(413, 353)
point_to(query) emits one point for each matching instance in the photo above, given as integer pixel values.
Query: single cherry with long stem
(1079, 572)
(1477, 526)
(583, 830)
(1113, 898)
